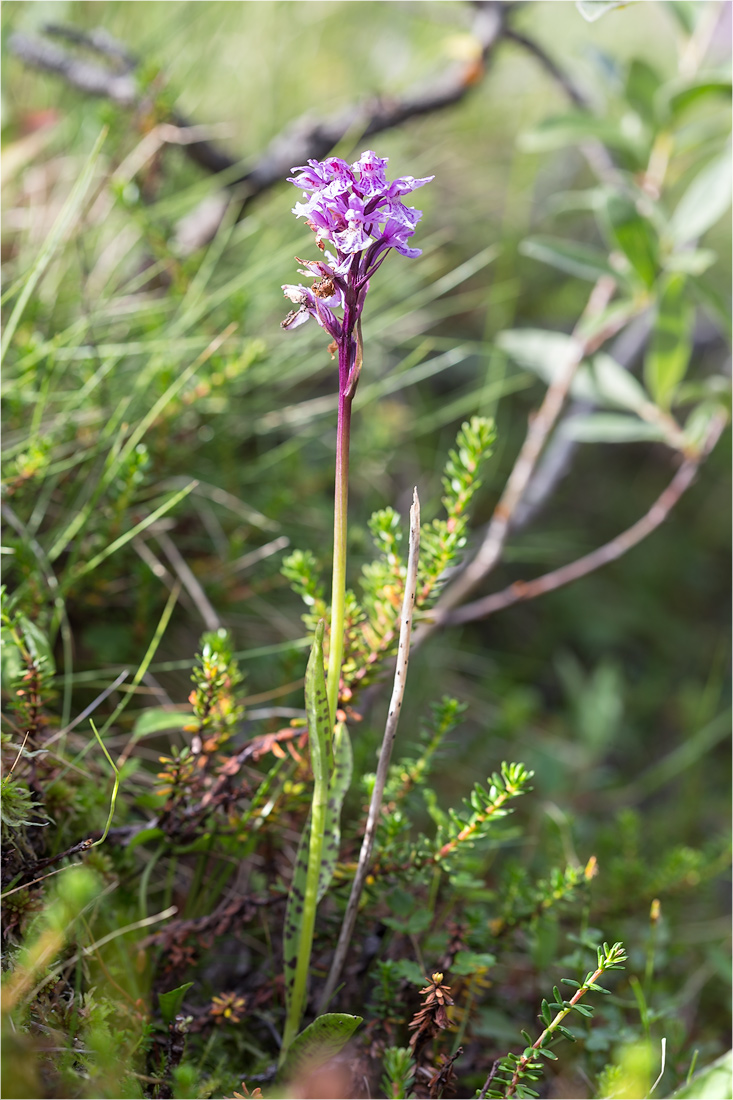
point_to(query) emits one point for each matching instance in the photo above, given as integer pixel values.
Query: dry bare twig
(610, 551)
(393, 716)
(301, 140)
(587, 338)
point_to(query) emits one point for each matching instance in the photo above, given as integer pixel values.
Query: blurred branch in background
(306, 137)
(587, 337)
(604, 555)
(302, 140)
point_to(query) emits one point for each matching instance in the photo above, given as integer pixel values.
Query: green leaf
(157, 718)
(710, 1083)
(543, 352)
(580, 260)
(714, 301)
(320, 1041)
(343, 767)
(319, 737)
(468, 963)
(91, 564)
(37, 643)
(670, 345)
(642, 83)
(616, 385)
(630, 231)
(170, 1002)
(294, 910)
(572, 128)
(143, 837)
(400, 902)
(11, 660)
(409, 971)
(594, 9)
(698, 422)
(677, 96)
(68, 214)
(685, 12)
(570, 202)
(317, 713)
(610, 428)
(417, 922)
(604, 382)
(704, 202)
(525, 1093)
(692, 261)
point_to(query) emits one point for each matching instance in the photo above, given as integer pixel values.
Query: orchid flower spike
(356, 211)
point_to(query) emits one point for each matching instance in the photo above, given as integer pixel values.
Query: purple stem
(341, 501)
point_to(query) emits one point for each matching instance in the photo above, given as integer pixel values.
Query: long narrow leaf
(343, 767)
(113, 799)
(68, 212)
(303, 899)
(89, 566)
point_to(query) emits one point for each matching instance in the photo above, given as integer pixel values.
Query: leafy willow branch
(604, 555)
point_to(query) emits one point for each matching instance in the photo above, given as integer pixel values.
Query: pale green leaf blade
(545, 353)
(38, 644)
(319, 1042)
(294, 911)
(127, 536)
(711, 1083)
(670, 346)
(628, 230)
(539, 350)
(704, 202)
(610, 428)
(572, 128)
(157, 718)
(714, 301)
(642, 85)
(616, 385)
(594, 9)
(68, 213)
(694, 261)
(698, 423)
(679, 95)
(343, 767)
(317, 712)
(170, 1002)
(572, 257)
(319, 739)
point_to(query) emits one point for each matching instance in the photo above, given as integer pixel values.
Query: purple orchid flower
(357, 211)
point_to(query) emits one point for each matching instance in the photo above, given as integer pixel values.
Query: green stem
(315, 850)
(338, 584)
(318, 736)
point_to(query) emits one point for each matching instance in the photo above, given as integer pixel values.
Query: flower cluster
(357, 211)
(228, 1008)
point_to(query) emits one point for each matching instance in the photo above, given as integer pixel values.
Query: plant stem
(375, 806)
(319, 733)
(552, 1027)
(340, 513)
(310, 903)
